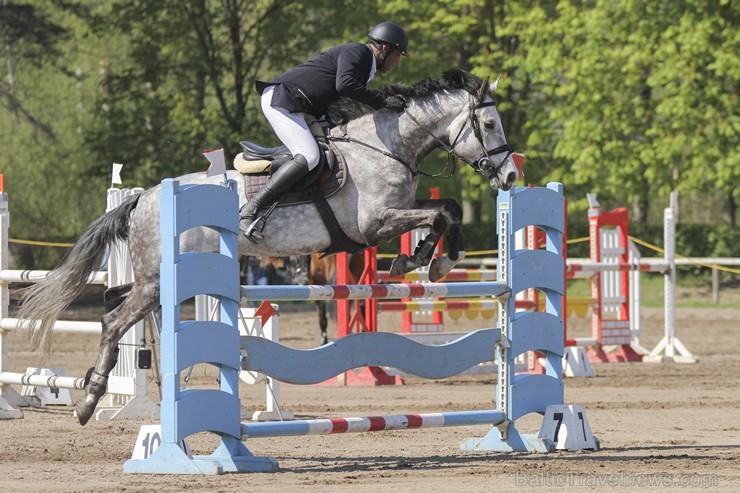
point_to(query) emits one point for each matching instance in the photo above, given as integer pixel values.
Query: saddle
(257, 163)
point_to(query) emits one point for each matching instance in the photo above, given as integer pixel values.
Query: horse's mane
(345, 109)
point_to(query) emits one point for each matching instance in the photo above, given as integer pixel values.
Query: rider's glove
(395, 102)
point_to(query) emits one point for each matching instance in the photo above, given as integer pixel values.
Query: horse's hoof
(84, 410)
(398, 267)
(435, 271)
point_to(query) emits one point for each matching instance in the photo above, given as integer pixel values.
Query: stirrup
(254, 232)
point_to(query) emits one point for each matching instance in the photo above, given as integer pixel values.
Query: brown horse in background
(309, 269)
(323, 271)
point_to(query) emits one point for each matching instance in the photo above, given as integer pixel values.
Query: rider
(308, 90)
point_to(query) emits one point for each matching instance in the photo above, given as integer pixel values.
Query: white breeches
(291, 129)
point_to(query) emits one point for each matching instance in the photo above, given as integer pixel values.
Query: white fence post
(7, 411)
(670, 348)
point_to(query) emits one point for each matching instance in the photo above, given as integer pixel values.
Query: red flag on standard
(519, 163)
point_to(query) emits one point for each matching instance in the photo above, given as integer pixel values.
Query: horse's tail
(42, 304)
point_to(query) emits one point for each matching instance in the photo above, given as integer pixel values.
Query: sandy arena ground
(661, 427)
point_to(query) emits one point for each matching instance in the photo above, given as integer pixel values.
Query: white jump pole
(50, 381)
(634, 301)
(270, 330)
(250, 324)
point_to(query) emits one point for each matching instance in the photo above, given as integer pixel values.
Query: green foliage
(639, 97)
(41, 114)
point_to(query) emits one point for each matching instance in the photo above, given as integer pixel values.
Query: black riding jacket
(313, 86)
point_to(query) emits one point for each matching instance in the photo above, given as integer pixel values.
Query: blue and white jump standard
(184, 344)
(183, 276)
(521, 394)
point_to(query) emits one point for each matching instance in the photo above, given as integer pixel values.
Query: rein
(346, 138)
(482, 164)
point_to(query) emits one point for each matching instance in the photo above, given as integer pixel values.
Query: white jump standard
(126, 396)
(183, 276)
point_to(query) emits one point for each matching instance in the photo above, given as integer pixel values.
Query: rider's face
(393, 59)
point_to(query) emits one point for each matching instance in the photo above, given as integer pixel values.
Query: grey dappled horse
(377, 203)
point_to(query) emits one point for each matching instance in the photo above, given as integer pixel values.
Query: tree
(40, 147)
(186, 81)
(31, 37)
(641, 96)
(146, 83)
(629, 99)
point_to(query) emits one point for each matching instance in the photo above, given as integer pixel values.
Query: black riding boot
(280, 182)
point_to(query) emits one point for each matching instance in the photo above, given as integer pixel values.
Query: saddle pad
(248, 167)
(328, 184)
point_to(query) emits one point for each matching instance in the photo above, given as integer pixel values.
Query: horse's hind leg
(113, 298)
(323, 321)
(115, 323)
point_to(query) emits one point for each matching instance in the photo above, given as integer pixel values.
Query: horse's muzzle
(503, 183)
(509, 180)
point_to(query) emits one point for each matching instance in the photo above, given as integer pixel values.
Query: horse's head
(477, 136)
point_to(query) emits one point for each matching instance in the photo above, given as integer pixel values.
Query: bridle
(483, 164)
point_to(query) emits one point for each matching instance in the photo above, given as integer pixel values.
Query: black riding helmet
(392, 34)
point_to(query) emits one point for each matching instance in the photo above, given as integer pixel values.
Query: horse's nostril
(511, 178)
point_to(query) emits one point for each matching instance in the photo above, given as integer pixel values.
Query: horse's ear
(454, 77)
(483, 89)
(495, 85)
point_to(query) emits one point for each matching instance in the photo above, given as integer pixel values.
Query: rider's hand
(395, 102)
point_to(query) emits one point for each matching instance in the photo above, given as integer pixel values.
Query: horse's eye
(489, 124)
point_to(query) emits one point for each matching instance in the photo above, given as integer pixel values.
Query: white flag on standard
(217, 160)
(116, 174)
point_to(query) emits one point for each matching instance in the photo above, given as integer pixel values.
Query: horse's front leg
(442, 265)
(398, 221)
(115, 323)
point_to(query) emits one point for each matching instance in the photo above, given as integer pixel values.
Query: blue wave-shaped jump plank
(312, 366)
